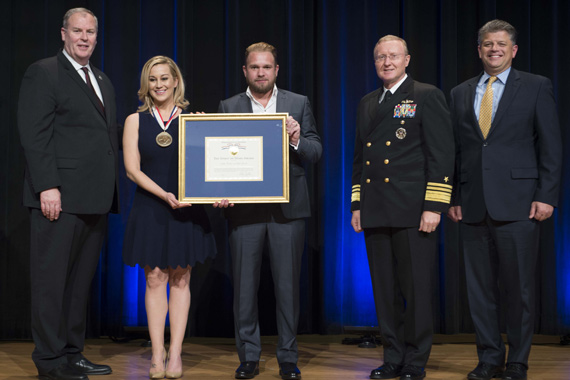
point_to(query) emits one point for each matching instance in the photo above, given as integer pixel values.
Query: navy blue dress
(156, 235)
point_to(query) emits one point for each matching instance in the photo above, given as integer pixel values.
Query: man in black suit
(401, 182)
(509, 157)
(66, 119)
(281, 226)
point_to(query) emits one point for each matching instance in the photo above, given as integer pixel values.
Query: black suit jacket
(521, 159)
(403, 156)
(68, 142)
(309, 151)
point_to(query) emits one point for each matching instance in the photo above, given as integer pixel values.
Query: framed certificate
(240, 157)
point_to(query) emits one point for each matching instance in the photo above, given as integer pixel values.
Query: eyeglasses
(393, 57)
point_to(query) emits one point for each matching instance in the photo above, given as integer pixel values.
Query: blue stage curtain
(325, 51)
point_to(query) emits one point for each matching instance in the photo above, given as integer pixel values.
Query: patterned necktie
(486, 110)
(90, 85)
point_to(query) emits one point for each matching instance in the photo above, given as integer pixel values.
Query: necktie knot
(491, 80)
(387, 96)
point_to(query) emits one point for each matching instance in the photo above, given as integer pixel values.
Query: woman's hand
(173, 202)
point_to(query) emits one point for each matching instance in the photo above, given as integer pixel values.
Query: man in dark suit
(401, 182)
(66, 119)
(509, 157)
(281, 226)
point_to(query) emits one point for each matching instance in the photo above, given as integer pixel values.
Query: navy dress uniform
(403, 165)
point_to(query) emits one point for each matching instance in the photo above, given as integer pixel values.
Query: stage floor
(320, 358)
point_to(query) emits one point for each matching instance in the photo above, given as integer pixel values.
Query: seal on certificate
(234, 150)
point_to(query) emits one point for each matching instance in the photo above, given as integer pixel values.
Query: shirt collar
(397, 85)
(74, 63)
(273, 95)
(501, 77)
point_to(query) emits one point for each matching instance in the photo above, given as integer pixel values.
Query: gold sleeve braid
(355, 193)
(436, 192)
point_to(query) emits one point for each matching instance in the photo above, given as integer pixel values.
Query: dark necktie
(88, 80)
(387, 96)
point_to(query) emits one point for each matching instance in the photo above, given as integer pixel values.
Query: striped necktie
(486, 110)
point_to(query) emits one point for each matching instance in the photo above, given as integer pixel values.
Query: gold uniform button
(388, 143)
(386, 161)
(403, 122)
(369, 144)
(386, 180)
(368, 180)
(368, 163)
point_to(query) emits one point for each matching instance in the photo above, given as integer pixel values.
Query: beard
(259, 88)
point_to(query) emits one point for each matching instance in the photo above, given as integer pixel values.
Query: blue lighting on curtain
(348, 299)
(344, 75)
(130, 296)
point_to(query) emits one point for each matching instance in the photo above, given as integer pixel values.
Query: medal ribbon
(158, 117)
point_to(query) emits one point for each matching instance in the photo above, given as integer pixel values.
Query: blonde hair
(390, 37)
(260, 47)
(144, 94)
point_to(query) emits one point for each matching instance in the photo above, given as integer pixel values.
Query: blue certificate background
(197, 130)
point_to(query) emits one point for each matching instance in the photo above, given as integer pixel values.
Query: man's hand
(455, 213)
(293, 130)
(429, 221)
(540, 211)
(355, 221)
(50, 201)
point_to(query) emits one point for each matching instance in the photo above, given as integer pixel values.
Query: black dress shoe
(62, 372)
(247, 370)
(485, 371)
(88, 368)
(289, 371)
(387, 371)
(515, 371)
(412, 372)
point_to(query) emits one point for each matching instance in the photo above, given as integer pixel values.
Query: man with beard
(280, 226)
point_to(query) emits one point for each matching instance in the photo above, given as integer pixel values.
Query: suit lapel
(105, 91)
(281, 105)
(511, 89)
(244, 105)
(73, 74)
(470, 99)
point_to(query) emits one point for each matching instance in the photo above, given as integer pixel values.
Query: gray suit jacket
(309, 151)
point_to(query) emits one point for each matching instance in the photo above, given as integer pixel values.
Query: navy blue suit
(496, 181)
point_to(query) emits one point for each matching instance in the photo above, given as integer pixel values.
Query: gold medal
(163, 139)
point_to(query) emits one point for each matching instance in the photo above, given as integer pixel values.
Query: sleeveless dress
(156, 235)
